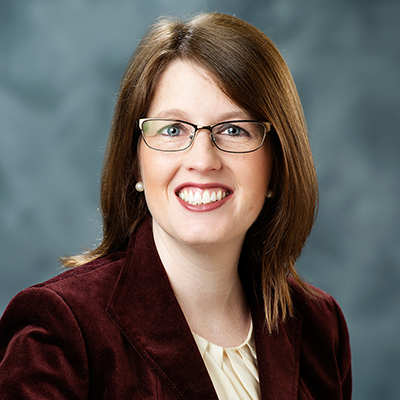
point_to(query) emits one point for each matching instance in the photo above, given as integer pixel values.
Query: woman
(208, 195)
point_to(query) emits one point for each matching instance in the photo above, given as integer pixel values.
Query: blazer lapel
(278, 356)
(144, 306)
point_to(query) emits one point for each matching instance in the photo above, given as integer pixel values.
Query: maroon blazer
(113, 329)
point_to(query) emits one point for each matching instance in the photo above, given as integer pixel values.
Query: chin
(208, 237)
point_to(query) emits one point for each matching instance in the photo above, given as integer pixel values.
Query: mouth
(197, 196)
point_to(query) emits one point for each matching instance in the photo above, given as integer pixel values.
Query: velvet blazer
(113, 329)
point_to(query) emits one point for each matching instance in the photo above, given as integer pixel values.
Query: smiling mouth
(199, 197)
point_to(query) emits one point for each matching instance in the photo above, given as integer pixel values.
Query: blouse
(233, 370)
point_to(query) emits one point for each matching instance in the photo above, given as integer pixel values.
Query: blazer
(113, 329)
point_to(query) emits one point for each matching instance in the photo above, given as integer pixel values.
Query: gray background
(60, 65)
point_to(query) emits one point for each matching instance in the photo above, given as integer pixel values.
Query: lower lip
(204, 207)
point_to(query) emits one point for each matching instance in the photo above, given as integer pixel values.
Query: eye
(172, 130)
(232, 130)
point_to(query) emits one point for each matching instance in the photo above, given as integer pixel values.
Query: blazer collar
(144, 306)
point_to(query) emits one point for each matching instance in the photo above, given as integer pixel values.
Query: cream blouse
(233, 370)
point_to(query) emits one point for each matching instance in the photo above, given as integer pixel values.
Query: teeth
(206, 197)
(190, 199)
(197, 198)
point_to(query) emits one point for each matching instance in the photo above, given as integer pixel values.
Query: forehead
(187, 90)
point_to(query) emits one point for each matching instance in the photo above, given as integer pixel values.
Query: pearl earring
(139, 186)
(270, 193)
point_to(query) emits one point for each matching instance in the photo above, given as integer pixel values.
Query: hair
(250, 70)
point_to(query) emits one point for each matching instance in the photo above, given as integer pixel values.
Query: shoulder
(56, 331)
(94, 279)
(65, 305)
(79, 290)
(320, 313)
(92, 270)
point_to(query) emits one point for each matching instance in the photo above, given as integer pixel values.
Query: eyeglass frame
(209, 128)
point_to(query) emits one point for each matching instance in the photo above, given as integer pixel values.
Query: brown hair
(249, 70)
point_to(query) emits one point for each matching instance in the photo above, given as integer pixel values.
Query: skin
(200, 245)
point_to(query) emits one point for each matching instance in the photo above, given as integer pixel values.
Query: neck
(206, 284)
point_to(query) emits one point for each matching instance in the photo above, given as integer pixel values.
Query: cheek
(145, 170)
(150, 179)
(259, 174)
(147, 164)
(156, 172)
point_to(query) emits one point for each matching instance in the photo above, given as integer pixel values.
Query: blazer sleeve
(344, 354)
(42, 351)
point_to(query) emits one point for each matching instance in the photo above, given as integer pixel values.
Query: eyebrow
(180, 114)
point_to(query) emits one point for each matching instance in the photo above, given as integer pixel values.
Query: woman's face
(187, 92)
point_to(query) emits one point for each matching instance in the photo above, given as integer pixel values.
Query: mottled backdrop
(60, 64)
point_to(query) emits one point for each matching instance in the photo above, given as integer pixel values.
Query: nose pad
(212, 138)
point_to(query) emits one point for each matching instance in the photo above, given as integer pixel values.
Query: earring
(139, 186)
(270, 194)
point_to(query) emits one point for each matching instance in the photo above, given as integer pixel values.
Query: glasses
(230, 136)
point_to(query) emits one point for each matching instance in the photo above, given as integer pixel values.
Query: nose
(203, 155)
